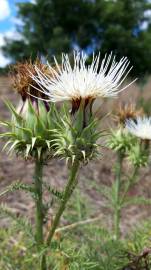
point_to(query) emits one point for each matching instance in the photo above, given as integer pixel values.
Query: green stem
(131, 181)
(39, 209)
(117, 210)
(71, 184)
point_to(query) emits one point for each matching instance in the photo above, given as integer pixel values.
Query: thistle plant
(40, 131)
(81, 84)
(127, 147)
(29, 135)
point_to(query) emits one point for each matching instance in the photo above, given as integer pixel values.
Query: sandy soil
(100, 171)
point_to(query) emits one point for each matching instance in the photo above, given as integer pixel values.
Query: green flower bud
(30, 129)
(120, 140)
(73, 140)
(137, 155)
(30, 132)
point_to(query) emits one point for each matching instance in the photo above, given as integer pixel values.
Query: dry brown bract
(22, 80)
(127, 111)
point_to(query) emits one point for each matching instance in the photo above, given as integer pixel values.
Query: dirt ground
(100, 171)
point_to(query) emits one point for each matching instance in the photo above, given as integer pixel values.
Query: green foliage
(137, 155)
(51, 27)
(53, 191)
(29, 133)
(139, 238)
(87, 246)
(72, 140)
(14, 251)
(21, 223)
(120, 140)
(129, 146)
(138, 247)
(19, 186)
(51, 133)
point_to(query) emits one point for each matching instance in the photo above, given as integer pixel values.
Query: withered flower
(31, 125)
(127, 111)
(24, 84)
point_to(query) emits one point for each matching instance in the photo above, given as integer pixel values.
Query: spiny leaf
(28, 148)
(21, 222)
(39, 151)
(18, 186)
(13, 110)
(78, 124)
(30, 117)
(8, 134)
(53, 191)
(48, 144)
(42, 112)
(83, 153)
(13, 145)
(6, 144)
(33, 142)
(136, 200)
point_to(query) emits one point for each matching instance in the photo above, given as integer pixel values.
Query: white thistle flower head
(140, 127)
(80, 81)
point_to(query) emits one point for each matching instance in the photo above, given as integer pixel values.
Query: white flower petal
(83, 81)
(141, 127)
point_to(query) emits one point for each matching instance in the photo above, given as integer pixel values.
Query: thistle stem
(71, 184)
(39, 209)
(117, 210)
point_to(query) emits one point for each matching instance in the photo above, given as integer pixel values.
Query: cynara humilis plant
(80, 84)
(29, 134)
(38, 130)
(127, 147)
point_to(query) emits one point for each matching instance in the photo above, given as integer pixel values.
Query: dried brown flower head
(22, 80)
(127, 111)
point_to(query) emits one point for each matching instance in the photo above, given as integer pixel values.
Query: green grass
(84, 247)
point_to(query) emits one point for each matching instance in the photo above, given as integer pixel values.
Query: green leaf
(43, 113)
(136, 200)
(54, 192)
(30, 117)
(21, 222)
(6, 144)
(33, 142)
(79, 118)
(18, 186)
(8, 134)
(39, 128)
(10, 106)
(48, 144)
(28, 148)
(26, 133)
(39, 151)
(13, 145)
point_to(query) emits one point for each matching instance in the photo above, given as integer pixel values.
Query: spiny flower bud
(30, 129)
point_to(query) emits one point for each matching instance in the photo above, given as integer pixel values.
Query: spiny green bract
(74, 140)
(29, 133)
(120, 140)
(137, 155)
(129, 145)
